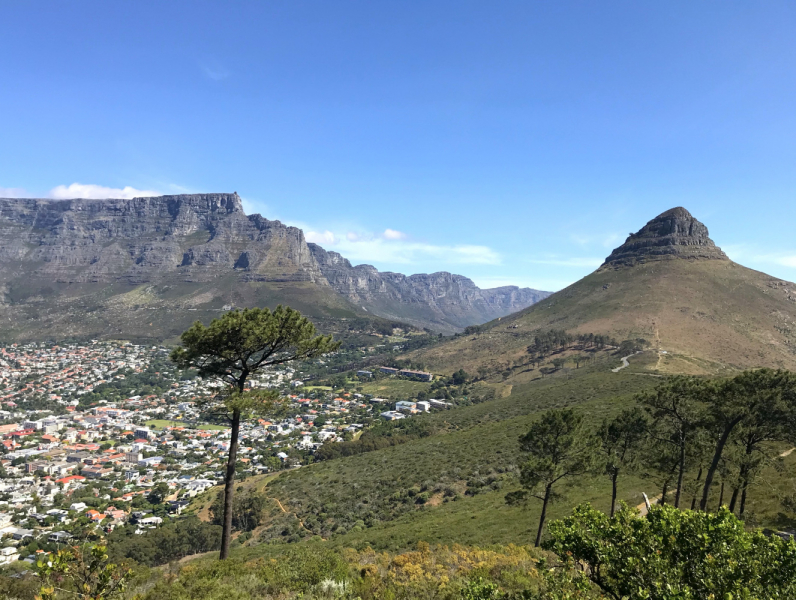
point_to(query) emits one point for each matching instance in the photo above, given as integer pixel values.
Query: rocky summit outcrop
(106, 259)
(440, 298)
(673, 234)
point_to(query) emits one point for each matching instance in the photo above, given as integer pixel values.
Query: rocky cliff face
(441, 298)
(189, 237)
(673, 234)
(201, 252)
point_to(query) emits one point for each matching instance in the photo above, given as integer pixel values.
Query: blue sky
(512, 142)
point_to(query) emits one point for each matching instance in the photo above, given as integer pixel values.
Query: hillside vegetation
(708, 316)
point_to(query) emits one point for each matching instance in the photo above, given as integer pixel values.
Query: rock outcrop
(437, 297)
(192, 237)
(673, 234)
(203, 252)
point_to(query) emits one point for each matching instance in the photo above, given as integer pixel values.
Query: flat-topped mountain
(673, 234)
(668, 284)
(131, 267)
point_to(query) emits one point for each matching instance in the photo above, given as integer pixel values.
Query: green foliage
(158, 493)
(479, 589)
(620, 442)
(763, 400)
(167, 543)
(83, 572)
(236, 346)
(382, 435)
(558, 446)
(678, 410)
(675, 555)
(242, 342)
(247, 511)
(459, 377)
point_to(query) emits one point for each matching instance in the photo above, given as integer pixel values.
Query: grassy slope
(474, 445)
(476, 448)
(709, 316)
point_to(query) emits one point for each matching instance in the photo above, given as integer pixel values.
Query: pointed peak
(672, 234)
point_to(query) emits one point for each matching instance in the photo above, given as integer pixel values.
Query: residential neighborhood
(103, 435)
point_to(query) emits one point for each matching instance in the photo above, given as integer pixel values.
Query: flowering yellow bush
(442, 568)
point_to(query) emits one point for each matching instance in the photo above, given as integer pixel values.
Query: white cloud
(13, 193)
(352, 237)
(392, 234)
(787, 261)
(379, 250)
(322, 237)
(97, 192)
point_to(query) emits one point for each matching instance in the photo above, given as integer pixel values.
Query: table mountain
(147, 267)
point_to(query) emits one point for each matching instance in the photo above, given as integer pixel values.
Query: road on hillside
(624, 363)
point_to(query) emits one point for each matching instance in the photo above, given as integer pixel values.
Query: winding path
(625, 364)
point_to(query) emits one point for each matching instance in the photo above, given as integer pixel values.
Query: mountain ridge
(202, 251)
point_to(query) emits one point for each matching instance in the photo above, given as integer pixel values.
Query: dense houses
(110, 434)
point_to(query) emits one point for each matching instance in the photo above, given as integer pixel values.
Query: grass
(474, 450)
(395, 389)
(163, 424)
(393, 497)
(711, 317)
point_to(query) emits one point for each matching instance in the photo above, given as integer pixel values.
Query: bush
(675, 555)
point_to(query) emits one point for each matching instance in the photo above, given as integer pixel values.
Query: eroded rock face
(202, 250)
(194, 237)
(440, 297)
(673, 234)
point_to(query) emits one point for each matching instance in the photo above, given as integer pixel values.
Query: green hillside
(668, 284)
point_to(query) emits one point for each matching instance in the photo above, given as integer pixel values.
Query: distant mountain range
(668, 284)
(147, 267)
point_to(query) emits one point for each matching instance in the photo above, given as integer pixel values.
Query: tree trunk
(680, 472)
(693, 498)
(746, 471)
(733, 499)
(664, 491)
(715, 462)
(614, 475)
(229, 486)
(542, 517)
(721, 494)
(743, 497)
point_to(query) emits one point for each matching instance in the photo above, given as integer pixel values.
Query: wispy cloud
(392, 234)
(97, 192)
(788, 261)
(747, 254)
(213, 69)
(13, 192)
(320, 237)
(396, 247)
(379, 250)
